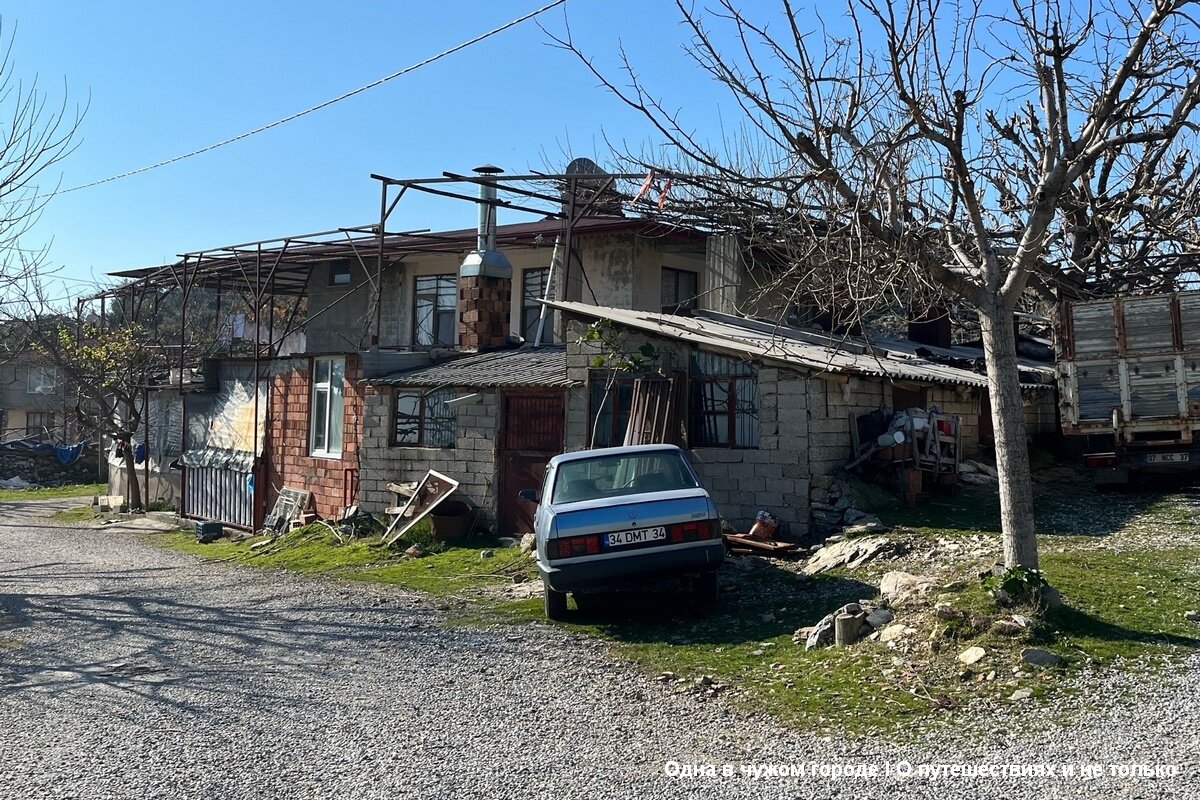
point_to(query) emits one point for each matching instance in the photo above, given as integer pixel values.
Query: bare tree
(110, 369)
(35, 135)
(947, 151)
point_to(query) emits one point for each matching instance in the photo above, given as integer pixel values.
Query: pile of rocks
(977, 473)
(828, 500)
(845, 626)
(44, 468)
(852, 553)
(831, 505)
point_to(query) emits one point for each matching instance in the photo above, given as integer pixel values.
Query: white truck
(1129, 379)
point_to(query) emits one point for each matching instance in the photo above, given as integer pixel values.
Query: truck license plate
(640, 536)
(1167, 458)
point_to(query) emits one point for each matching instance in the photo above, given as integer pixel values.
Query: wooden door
(531, 432)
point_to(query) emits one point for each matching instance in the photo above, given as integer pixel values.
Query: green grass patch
(51, 492)
(1124, 604)
(313, 549)
(76, 514)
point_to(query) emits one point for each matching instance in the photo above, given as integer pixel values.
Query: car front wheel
(556, 602)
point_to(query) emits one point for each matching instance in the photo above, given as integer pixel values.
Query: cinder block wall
(964, 402)
(773, 477)
(834, 405)
(472, 461)
(330, 480)
(831, 407)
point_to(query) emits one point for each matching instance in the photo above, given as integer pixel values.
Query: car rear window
(619, 475)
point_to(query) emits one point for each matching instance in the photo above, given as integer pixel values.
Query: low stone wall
(45, 469)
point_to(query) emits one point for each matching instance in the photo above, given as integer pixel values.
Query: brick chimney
(485, 279)
(931, 327)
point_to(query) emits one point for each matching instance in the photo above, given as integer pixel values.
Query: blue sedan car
(620, 515)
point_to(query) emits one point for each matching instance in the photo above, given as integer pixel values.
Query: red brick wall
(288, 460)
(484, 305)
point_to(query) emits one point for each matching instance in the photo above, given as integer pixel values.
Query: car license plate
(1167, 458)
(639, 536)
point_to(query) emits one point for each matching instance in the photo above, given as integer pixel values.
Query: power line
(320, 106)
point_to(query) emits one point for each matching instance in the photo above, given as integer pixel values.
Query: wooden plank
(433, 489)
(741, 540)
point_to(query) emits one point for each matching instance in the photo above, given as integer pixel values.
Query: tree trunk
(1008, 425)
(132, 488)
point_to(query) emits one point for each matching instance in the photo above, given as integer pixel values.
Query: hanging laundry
(662, 197)
(139, 454)
(645, 188)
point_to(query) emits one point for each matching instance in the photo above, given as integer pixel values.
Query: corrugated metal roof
(526, 366)
(848, 355)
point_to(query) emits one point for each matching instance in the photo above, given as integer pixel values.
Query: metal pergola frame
(281, 267)
(262, 271)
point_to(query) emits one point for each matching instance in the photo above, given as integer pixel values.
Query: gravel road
(131, 672)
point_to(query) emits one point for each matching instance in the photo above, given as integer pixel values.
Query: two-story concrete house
(423, 352)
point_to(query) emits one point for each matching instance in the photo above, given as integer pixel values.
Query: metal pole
(376, 286)
(183, 288)
(537, 339)
(259, 492)
(146, 445)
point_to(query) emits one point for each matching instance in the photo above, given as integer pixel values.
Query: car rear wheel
(556, 602)
(707, 588)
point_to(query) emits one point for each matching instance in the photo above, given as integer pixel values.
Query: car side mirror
(528, 494)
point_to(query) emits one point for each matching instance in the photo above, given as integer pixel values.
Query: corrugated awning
(544, 366)
(812, 351)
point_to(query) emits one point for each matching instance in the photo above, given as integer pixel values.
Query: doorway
(531, 432)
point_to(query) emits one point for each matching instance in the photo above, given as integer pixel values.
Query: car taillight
(1101, 460)
(573, 546)
(694, 531)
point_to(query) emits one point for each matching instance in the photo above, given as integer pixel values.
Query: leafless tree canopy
(925, 146)
(913, 151)
(36, 133)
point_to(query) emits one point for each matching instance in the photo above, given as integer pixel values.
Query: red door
(531, 432)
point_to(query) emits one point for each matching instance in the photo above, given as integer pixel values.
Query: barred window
(422, 419)
(724, 410)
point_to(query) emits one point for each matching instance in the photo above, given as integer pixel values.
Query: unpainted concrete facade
(835, 403)
(473, 461)
(774, 476)
(17, 402)
(615, 269)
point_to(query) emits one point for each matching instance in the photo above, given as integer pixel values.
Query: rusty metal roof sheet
(544, 366)
(811, 350)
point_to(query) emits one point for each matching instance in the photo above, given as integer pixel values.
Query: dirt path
(129, 671)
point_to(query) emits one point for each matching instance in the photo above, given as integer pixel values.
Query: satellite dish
(587, 188)
(583, 166)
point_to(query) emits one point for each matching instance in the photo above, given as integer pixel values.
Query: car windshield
(619, 475)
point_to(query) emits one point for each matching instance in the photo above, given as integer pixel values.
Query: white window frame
(335, 408)
(41, 387)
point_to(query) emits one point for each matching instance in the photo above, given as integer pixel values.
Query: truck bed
(1130, 366)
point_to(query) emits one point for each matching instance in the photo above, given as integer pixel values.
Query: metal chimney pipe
(486, 239)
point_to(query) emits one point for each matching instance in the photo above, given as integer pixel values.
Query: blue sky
(165, 78)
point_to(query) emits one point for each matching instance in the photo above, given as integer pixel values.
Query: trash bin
(450, 521)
